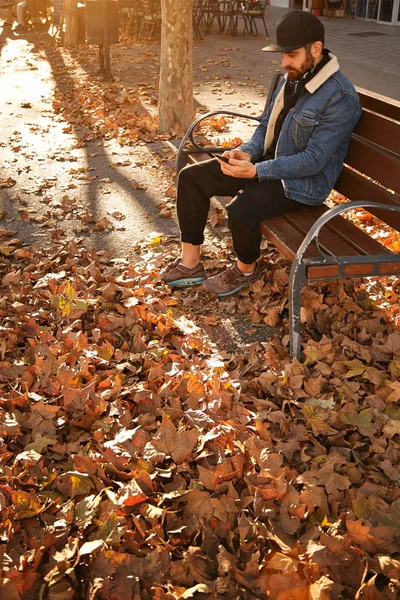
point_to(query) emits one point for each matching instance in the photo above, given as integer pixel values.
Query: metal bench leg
(296, 282)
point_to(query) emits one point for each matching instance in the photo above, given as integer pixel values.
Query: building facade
(386, 12)
(382, 11)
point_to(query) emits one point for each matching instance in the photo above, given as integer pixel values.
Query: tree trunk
(71, 23)
(176, 72)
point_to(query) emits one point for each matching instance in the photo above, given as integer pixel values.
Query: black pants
(253, 202)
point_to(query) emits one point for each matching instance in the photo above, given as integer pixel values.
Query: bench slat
(339, 236)
(329, 240)
(379, 104)
(374, 162)
(198, 157)
(356, 187)
(380, 130)
(281, 234)
(279, 230)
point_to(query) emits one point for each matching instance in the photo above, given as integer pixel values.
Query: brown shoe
(176, 275)
(230, 281)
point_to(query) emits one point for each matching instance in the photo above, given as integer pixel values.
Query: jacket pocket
(303, 126)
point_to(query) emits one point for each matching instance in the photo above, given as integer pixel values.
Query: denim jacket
(314, 138)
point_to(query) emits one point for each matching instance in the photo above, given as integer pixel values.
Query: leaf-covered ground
(138, 460)
(146, 450)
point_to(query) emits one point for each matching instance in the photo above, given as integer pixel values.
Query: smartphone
(219, 156)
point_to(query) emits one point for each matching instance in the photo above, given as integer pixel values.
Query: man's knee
(238, 210)
(189, 172)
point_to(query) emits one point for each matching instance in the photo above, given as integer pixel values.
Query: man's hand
(239, 164)
(238, 154)
(242, 169)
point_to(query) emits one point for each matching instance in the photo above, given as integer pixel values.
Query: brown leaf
(369, 591)
(177, 443)
(73, 484)
(26, 505)
(7, 183)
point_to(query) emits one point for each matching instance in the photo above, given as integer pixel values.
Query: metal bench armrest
(190, 131)
(298, 277)
(312, 235)
(180, 162)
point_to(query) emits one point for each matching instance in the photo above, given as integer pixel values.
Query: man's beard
(294, 74)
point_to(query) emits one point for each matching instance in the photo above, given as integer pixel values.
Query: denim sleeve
(255, 146)
(337, 122)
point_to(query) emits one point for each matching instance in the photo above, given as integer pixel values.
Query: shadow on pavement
(80, 127)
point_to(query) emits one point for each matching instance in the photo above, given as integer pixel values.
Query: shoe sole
(186, 282)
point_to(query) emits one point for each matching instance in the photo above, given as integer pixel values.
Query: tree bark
(176, 72)
(71, 23)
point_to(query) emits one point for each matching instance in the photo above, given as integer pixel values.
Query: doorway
(382, 11)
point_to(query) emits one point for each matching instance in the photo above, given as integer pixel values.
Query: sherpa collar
(327, 71)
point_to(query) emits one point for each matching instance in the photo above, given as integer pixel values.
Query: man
(294, 158)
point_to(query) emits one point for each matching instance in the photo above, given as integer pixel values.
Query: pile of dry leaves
(138, 461)
(108, 111)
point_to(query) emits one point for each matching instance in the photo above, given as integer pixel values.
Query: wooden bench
(319, 241)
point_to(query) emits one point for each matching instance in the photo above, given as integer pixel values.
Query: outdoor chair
(331, 6)
(224, 11)
(228, 18)
(131, 14)
(240, 10)
(151, 17)
(220, 10)
(256, 11)
(208, 10)
(198, 17)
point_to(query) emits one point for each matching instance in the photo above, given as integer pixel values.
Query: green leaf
(40, 442)
(356, 368)
(363, 505)
(393, 411)
(312, 354)
(110, 531)
(361, 420)
(394, 368)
